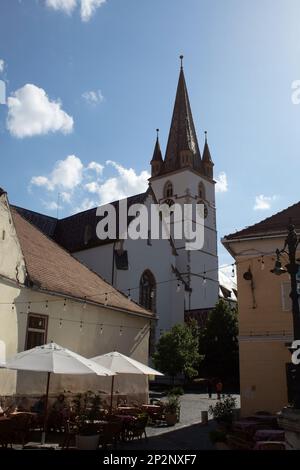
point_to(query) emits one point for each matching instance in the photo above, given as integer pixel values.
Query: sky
(88, 82)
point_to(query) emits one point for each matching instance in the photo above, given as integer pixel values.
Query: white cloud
(30, 112)
(263, 202)
(67, 174)
(2, 64)
(222, 183)
(73, 181)
(87, 7)
(67, 6)
(52, 205)
(126, 183)
(93, 97)
(85, 205)
(96, 167)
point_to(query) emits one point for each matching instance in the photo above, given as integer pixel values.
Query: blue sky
(103, 79)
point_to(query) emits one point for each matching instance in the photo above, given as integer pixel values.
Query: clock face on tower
(202, 208)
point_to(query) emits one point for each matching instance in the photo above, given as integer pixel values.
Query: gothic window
(201, 191)
(148, 300)
(168, 189)
(87, 234)
(148, 290)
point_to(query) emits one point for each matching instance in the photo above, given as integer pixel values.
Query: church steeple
(157, 160)
(207, 163)
(182, 148)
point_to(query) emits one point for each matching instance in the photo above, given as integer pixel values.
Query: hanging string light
(46, 306)
(121, 330)
(101, 329)
(106, 299)
(178, 288)
(129, 295)
(60, 323)
(65, 305)
(84, 303)
(204, 278)
(262, 264)
(28, 307)
(81, 326)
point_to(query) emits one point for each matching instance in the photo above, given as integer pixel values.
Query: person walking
(209, 388)
(219, 389)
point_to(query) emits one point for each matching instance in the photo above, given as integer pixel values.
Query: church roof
(76, 232)
(182, 135)
(53, 269)
(274, 225)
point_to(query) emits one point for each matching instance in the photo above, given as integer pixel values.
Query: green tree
(177, 351)
(218, 344)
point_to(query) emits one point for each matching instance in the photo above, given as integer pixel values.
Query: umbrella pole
(112, 394)
(46, 410)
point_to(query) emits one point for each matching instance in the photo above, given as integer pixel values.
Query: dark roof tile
(276, 224)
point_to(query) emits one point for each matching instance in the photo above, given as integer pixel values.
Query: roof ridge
(96, 207)
(253, 226)
(15, 212)
(17, 208)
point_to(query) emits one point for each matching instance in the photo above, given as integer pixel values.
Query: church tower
(184, 176)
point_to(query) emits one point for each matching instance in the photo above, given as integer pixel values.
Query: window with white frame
(36, 334)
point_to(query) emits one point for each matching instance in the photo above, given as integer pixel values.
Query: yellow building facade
(265, 316)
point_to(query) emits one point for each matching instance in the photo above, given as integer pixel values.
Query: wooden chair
(6, 433)
(20, 425)
(111, 433)
(136, 429)
(70, 431)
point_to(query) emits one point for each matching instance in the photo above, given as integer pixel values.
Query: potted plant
(223, 411)
(87, 411)
(219, 439)
(172, 410)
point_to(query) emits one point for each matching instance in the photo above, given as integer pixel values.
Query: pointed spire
(157, 155)
(157, 160)
(182, 136)
(206, 152)
(207, 163)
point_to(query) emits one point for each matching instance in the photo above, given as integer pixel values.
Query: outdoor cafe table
(151, 408)
(126, 409)
(246, 425)
(4, 418)
(269, 435)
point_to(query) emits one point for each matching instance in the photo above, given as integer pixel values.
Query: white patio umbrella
(53, 358)
(121, 364)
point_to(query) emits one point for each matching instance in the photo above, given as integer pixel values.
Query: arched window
(87, 234)
(168, 189)
(201, 191)
(148, 291)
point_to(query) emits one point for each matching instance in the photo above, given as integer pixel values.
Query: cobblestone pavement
(188, 434)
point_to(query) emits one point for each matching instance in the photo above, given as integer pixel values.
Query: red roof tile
(53, 269)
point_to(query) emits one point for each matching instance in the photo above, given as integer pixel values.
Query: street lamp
(290, 248)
